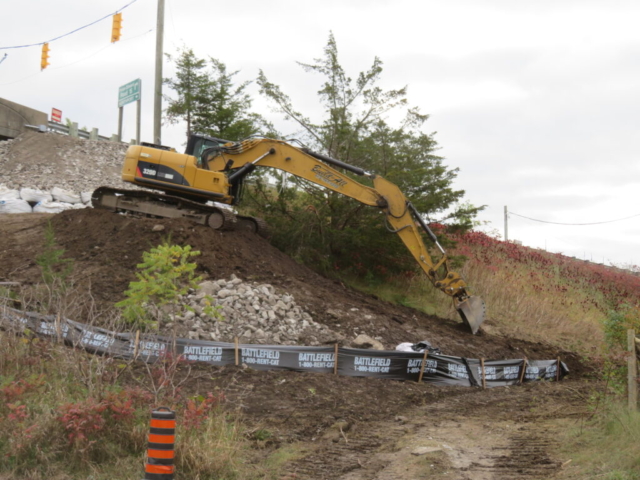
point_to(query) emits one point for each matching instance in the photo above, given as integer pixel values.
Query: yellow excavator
(199, 184)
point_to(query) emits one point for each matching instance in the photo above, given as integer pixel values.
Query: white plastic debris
(14, 205)
(35, 196)
(86, 197)
(8, 194)
(65, 196)
(405, 347)
(52, 207)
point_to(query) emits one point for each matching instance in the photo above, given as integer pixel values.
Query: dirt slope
(344, 428)
(106, 248)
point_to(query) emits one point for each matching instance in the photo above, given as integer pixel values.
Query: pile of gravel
(254, 313)
(45, 160)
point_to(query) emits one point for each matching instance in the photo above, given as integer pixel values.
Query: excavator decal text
(328, 177)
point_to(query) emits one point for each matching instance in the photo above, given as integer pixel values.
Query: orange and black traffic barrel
(160, 449)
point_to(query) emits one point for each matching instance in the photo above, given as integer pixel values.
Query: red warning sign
(56, 115)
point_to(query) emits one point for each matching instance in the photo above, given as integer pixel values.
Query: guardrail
(72, 131)
(92, 135)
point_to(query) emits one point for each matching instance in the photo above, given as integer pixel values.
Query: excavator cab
(199, 144)
(202, 147)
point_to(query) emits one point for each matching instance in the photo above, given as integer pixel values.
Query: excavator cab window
(198, 144)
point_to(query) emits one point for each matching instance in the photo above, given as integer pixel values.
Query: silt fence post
(424, 363)
(523, 371)
(633, 370)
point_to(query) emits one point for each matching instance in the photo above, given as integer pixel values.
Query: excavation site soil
(338, 427)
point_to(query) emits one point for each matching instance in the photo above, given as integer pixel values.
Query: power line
(73, 31)
(575, 224)
(77, 61)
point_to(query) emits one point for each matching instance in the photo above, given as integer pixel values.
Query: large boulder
(365, 341)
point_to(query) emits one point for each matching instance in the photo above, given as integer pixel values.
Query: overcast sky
(536, 102)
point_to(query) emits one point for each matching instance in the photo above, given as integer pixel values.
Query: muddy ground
(343, 428)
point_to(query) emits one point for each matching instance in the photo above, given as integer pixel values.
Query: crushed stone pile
(253, 312)
(43, 161)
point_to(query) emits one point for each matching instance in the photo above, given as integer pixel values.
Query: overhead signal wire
(77, 61)
(71, 32)
(98, 51)
(574, 224)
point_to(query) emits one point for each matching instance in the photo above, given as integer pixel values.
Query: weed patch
(607, 446)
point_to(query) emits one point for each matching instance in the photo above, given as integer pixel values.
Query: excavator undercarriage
(150, 204)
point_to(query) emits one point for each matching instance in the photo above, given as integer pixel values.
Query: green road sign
(130, 92)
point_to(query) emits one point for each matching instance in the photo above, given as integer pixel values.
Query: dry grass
(606, 447)
(531, 295)
(73, 415)
(516, 309)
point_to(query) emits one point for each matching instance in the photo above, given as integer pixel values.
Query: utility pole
(157, 97)
(506, 224)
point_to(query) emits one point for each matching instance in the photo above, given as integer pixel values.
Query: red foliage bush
(17, 413)
(551, 272)
(84, 421)
(19, 388)
(198, 409)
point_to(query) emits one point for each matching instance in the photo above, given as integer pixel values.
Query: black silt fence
(352, 362)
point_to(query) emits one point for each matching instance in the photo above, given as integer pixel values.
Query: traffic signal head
(117, 26)
(44, 60)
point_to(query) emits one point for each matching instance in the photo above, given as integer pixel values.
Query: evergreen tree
(210, 102)
(190, 84)
(326, 228)
(225, 109)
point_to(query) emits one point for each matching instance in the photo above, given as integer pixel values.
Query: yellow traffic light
(44, 61)
(117, 26)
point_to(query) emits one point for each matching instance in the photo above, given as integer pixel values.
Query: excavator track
(165, 206)
(252, 224)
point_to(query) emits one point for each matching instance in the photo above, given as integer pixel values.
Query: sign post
(131, 92)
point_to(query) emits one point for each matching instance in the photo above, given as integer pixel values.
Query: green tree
(225, 108)
(210, 101)
(165, 275)
(190, 85)
(326, 228)
(55, 269)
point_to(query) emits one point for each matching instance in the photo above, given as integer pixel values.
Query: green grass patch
(606, 447)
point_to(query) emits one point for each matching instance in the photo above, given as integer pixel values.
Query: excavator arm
(238, 160)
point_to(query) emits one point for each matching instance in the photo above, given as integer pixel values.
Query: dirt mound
(107, 247)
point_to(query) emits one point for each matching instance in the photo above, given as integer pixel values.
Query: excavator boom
(401, 216)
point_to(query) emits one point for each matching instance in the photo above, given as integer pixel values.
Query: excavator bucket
(472, 312)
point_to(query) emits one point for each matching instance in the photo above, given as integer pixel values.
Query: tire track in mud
(339, 453)
(529, 455)
(494, 434)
